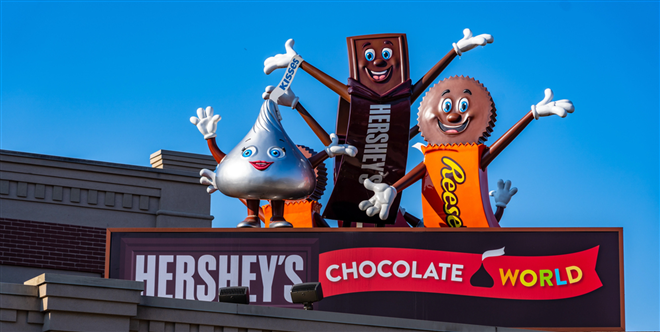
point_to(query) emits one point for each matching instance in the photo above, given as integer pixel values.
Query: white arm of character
(206, 122)
(503, 193)
(469, 42)
(280, 60)
(547, 107)
(287, 99)
(334, 149)
(208, 178)
(381, 201)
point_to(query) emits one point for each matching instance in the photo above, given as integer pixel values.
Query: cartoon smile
(379, 76)
(261, 165)
(453, 129)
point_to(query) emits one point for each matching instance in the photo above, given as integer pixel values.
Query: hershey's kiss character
(266, 164)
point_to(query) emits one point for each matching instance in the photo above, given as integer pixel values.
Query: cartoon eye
(463, 105)
(276, 152)
(369, 54)
(387, 53)
(446, 105)
(248, 152)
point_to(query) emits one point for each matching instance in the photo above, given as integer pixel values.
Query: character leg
(277, 220)
(252, 219)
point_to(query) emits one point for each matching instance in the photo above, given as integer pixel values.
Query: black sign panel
(534, 278)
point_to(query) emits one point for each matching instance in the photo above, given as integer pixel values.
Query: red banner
(488, 275)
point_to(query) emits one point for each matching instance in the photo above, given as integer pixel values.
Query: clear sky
(117, 81)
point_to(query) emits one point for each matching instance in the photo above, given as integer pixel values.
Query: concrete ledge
(90, 293)
(64, 279)
(18, 289)
(175, 160)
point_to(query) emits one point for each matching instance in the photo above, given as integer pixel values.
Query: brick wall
(52, 245)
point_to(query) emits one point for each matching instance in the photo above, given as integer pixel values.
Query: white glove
(468, 42)
(503, 193)
(548, 107)
(381, 201)
(280, 60)
(208, 178)
(334, 149)
(207, 123)
(287, 99)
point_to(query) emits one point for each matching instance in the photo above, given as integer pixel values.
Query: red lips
(261, 165)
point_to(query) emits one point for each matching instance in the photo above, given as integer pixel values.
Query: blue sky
(117, 81)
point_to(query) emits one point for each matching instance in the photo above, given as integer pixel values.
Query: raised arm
(467, 43)
(431, 75)
(327, 80)
(545, 107)
(333, 149)
(282, 61)
(289, 99)
(207, 124)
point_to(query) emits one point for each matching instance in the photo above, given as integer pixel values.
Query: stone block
(89, 293)
(156, 326)
(84, 322)
(89, 306)
(181, 327)
(35, 317)
(7, 315)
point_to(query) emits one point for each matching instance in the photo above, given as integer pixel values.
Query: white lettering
(444, 267)
(375, 148)
(346, 271)
(380, 269)
(374, 128)
(455, 273)
(379, 122)
(185, 268)
(248, 276)
(163, 275)
(267, 275)
(381, 138)
(379, 109)
(414, 271)
(371, 265)
(376, 167)
(207, 294)
(379, 118)
(430, 272)
(374, 157)
(329, 275)
(225, 275)
(396, 271)
(149, 276)
(293, 276)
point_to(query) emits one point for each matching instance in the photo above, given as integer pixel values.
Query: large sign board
(550, 278)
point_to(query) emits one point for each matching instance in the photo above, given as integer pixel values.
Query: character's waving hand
(469, 42)
(206, 122)
(380, 202)
(547, 107)
(280, 60)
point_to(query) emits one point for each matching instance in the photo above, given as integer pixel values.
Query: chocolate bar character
(374, 113)
(264, 165)
(456, 117)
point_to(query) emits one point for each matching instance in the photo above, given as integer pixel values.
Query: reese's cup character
(456, 117)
